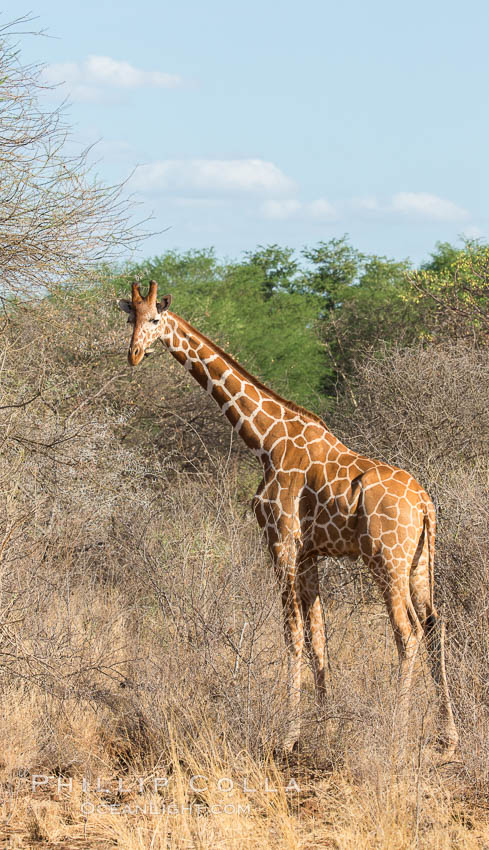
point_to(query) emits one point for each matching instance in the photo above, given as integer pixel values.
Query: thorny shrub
(136, 594)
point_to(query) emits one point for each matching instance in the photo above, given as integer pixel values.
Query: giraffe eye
(155, 321)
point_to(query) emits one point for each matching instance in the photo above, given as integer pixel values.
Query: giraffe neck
(256, 413)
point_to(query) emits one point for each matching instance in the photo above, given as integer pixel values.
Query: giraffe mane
(290, 405)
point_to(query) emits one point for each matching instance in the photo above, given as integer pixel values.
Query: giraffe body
(318, 498)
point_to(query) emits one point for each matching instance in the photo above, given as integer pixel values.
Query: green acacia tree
(302, 326)
(454, 294)
(278, 265)
(269, 329)
(360, 302)
(442, 258)
(331, 267)
(275, 336)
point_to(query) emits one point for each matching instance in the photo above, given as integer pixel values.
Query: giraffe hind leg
(435, 640)
(434, 632)
(408, 633)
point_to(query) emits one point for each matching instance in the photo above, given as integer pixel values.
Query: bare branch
(58, 222)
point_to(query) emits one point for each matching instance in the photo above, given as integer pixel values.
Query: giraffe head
(145, 313)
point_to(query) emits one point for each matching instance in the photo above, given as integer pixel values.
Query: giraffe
(318, 498)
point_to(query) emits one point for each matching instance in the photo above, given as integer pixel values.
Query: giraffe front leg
(294, 641)
(312, 614)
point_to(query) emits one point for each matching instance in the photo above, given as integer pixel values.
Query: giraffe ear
(125, 306)
(164, 304)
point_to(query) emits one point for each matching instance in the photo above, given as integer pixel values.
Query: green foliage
(361, 300)
(269, 329)
(180, 269)
(455, 293)
(333, 266)
(273, 336)
(278, 266)
(442, 258)
(301, 323)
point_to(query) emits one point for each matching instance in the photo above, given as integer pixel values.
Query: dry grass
(141, 629)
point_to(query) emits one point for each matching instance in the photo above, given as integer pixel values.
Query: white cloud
(89, 80)
(320, 209)
(413, 204)
(473, 232)
(369, 204)
(427, 206)
(281, 209)
(215, 176)
(419, 205)
(199, 203)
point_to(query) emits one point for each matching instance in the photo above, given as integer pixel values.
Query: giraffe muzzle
(135, 355)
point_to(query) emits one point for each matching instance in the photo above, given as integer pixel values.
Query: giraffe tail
(435, 634)
(428, 621)
(430, 531)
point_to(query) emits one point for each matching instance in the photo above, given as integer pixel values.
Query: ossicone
(151, 297)
(136, 293)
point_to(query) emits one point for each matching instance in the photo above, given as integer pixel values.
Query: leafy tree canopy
(300, 321)
(270, 329)
(453, 291)
(278, 266)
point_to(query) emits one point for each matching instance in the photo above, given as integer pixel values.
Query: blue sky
(282, 122)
